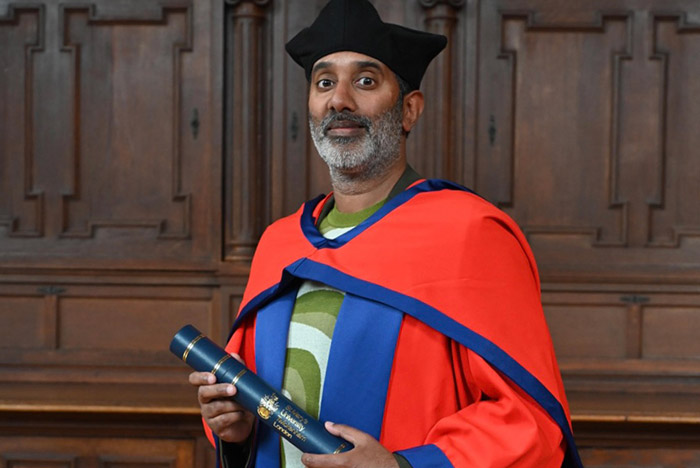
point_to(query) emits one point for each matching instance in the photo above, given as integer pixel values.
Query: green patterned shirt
(311, 331)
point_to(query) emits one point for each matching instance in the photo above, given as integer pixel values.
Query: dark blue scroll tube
(256, 395)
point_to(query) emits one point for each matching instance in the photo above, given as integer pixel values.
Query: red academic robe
(440, 351)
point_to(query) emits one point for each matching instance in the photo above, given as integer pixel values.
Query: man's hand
(226, 418)
(368, 452)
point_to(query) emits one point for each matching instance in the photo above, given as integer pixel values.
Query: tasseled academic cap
(355, 25)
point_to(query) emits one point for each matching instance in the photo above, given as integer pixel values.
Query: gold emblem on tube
(190, 346)
(268, 405)
(221, 361)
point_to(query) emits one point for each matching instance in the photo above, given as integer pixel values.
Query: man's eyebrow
(359, 64)
(320, 66)
(368, 64)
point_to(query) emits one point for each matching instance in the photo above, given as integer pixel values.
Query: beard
(363, 157)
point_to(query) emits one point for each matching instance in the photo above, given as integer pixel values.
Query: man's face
(355, 115)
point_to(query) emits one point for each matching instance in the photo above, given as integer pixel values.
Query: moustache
(334, 117)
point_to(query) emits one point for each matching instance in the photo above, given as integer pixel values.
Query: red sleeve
(444, 400)
(502, 426)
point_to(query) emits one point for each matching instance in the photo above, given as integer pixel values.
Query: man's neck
(353, 196)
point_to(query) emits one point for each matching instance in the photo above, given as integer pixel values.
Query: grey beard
(360, 158)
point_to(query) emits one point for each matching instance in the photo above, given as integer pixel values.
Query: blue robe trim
(270, 358)
(426, 456)
(360, 363)
(308, 223)
(432, 317)
(311, 270)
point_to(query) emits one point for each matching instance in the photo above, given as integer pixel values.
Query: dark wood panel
(671, 332)
(61, 334)
(544, 186)
(103, 439)
(623, 444)
(44, 460)
(674, 213)
(587, 330)
(126, 323)
(21, 202)
(38, 452)
(109, 145)
(117, 150)
(23, 322)
(643, 458)
(575, 138)
(624, 325)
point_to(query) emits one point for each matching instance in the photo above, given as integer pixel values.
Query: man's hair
(404, 89)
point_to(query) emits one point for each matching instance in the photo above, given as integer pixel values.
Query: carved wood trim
(177, 195)
(439, 146)
(116, 461)
(246, 152)
(53, 460)
(31, 194)
(50, 330)
(615, 201)
(658, 202)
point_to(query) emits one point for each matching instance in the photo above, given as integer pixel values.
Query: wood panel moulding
(111, 143)
(58, 334)
(627, 353)
(630, 324)
(44, 460)
(584, 137)
(673, 210)
(112, 184)
(522, 168)
(618, 443)
(42, 438)
(66, 452)
(247, 146)
(22, 32)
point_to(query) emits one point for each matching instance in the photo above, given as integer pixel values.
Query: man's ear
(412, 109)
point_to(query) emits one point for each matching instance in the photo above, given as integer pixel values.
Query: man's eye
(324, 83)
(365, 81)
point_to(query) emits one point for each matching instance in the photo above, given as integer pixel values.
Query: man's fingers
(352, 435)
(207, 378)
(232, 426)
(229, 420)
(208, 393)
(218, 408)
(322, 461)
(202, 378)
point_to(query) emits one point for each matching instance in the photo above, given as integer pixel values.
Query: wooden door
(145, 145)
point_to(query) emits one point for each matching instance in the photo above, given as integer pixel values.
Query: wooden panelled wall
(145, 144)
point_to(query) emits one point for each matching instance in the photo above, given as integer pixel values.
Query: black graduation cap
(355, 26)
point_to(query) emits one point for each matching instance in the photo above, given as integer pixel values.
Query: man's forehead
(348, 59)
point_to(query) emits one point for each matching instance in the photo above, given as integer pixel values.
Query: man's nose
(342, 98)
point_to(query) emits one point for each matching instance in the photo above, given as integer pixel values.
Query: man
(405, 311)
